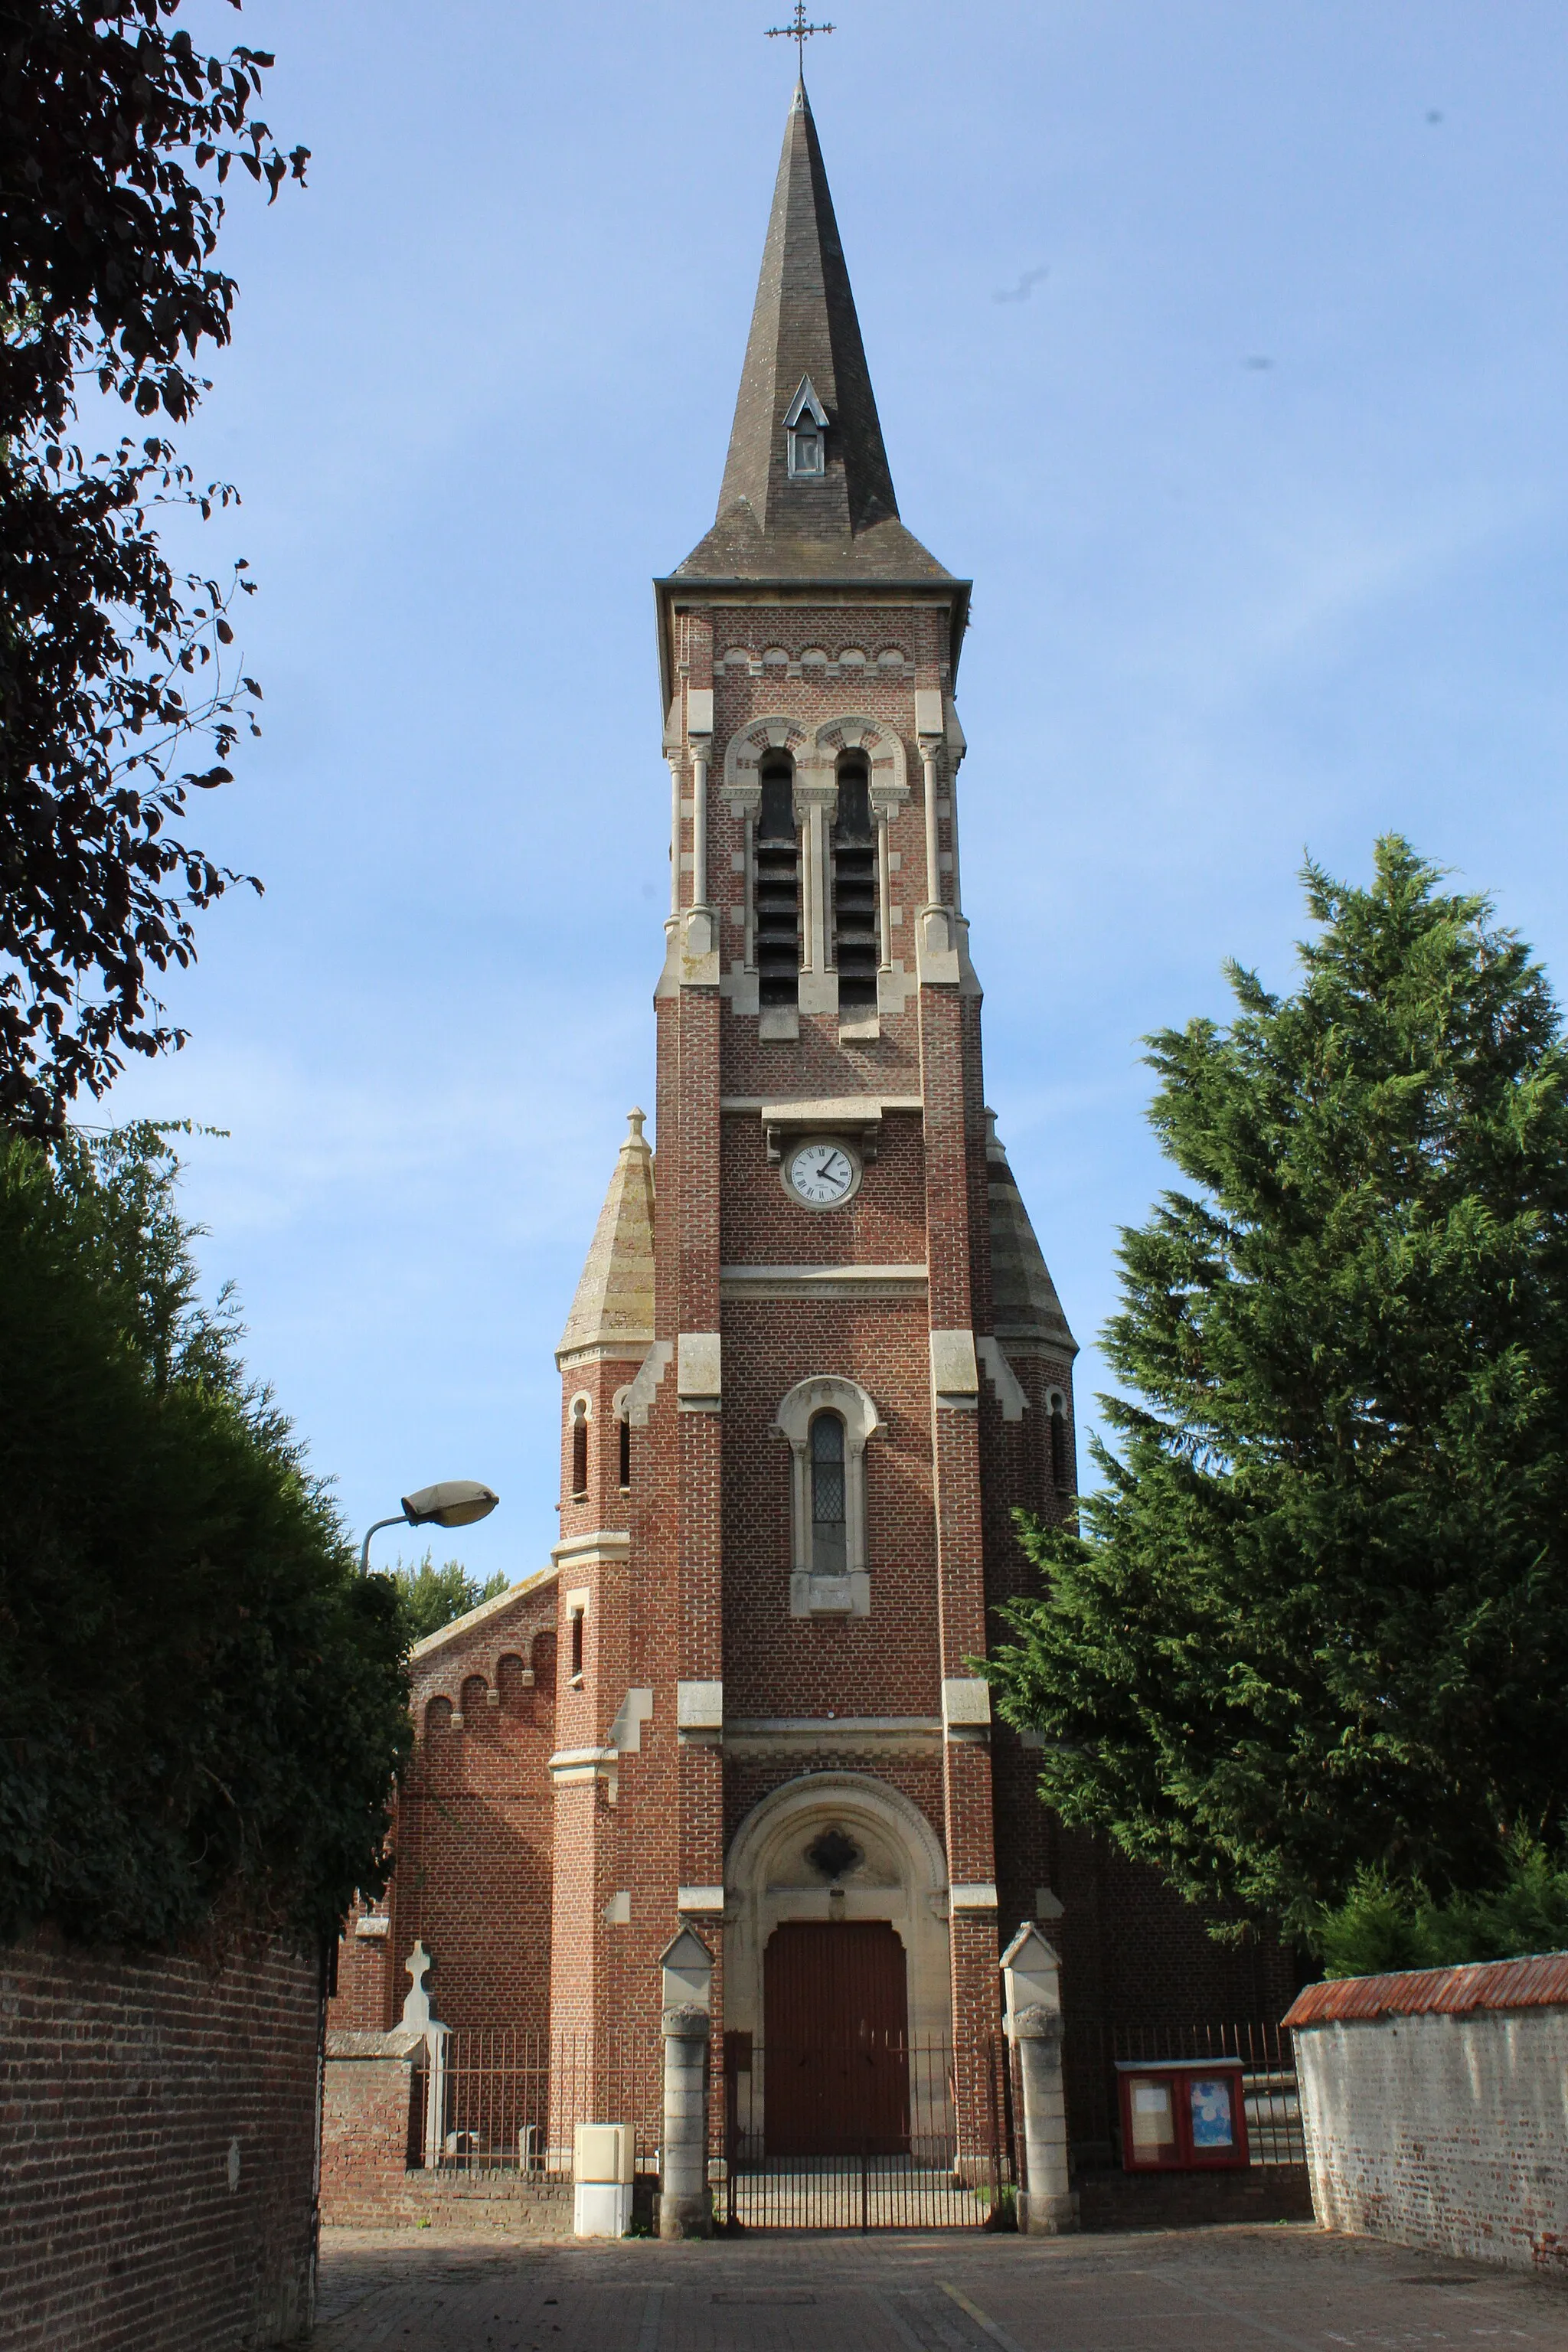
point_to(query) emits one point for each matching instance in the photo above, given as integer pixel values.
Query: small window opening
(857, 946)
(828, 1550)
(806, 450)
(625, 1452)
(803, 423)
(575, 1623)
(1061, 1465)
(579, 1451)
(777, 887)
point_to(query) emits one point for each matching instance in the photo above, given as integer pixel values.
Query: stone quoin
(815, 1362)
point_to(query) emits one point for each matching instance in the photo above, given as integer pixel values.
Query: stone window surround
(811, 1595)
(805, 442)
(579, 1413)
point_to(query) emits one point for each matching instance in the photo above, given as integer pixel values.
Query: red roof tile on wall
(1539, 1983)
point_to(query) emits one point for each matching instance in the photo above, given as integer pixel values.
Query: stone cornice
(869, 1735)
(599, 1543)
(773, 1282)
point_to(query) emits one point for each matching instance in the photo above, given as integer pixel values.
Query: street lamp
(454, 1503)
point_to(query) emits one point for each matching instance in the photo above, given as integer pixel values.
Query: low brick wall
(368, 2130)
(1435, 2106)
(157, 2152)
(463, 2201)
(370, 2147)
(1190, 2200)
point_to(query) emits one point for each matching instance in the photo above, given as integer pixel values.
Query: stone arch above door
(900, 1875)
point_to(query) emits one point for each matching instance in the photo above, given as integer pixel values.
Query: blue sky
(1263, 485)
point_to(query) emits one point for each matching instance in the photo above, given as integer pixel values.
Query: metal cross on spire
(800, 32)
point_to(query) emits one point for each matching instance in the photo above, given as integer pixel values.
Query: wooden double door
(836, 2039)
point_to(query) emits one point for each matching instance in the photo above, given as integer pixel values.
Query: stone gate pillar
(685, 2207)
(1031, 1973)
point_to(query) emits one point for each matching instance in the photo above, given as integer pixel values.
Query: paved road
(1195, 2291)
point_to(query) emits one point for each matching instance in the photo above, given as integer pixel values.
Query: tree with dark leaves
(117, 693)
(204, 1705)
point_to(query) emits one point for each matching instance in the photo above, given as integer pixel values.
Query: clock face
(822, 1174)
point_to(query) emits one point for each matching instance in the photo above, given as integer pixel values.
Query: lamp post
(454, 1503)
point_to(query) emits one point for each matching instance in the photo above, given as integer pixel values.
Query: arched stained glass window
(828, 1514)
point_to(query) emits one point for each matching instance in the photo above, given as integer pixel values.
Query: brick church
(814, 1363)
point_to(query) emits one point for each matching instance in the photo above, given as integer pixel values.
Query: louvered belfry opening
(856, 949)
(778, 886)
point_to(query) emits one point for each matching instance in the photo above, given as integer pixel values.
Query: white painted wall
(1449, 2132)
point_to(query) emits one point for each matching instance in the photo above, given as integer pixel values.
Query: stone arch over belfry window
(882, 746)
(827, 1421)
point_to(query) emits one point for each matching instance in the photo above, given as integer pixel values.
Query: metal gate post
(731, 2135)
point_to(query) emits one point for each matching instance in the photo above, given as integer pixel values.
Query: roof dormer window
(805, 428)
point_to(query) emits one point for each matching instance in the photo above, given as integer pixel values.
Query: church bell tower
(816, 1359)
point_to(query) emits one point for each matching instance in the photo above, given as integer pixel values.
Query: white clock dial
(822, 1174)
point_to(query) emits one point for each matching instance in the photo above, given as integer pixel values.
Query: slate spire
(615, 1294)
(1025, 1305)
(805, 347)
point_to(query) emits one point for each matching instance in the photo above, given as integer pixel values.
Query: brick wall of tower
(884, 1224)
(602, 1504)
(890, 1663)
(885, 1663)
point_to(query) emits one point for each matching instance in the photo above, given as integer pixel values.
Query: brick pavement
(1193, 2291)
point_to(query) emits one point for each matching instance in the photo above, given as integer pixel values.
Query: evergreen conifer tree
(1316, 1617)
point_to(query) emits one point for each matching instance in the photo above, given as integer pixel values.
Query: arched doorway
(773, 1876)
(836, 2029)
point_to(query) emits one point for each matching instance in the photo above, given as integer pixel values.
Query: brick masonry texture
(158, 2151)
(369, 2135)
(1449, 2132)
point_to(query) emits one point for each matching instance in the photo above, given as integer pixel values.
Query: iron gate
(883, 2132)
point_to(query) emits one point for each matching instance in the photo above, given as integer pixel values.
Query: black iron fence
(502, 2101)
(900, 2133)
(1091, 2051)
(885, 2132)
